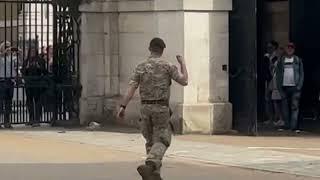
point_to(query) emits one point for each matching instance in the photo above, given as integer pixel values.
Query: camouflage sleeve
(174, 73)
(135, 78)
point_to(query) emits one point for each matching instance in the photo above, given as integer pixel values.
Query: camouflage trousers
(157, 132)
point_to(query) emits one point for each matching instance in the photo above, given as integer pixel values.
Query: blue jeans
(290, 107)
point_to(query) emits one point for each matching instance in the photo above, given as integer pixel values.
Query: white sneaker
(267, 122)
(279, 123)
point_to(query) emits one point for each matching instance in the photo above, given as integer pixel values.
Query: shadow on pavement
(127, 171)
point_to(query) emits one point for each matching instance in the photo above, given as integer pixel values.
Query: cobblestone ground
(80, 155)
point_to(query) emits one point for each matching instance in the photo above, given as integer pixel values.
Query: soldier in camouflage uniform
(153, 77)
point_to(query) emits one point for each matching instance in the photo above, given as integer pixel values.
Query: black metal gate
(39, 62)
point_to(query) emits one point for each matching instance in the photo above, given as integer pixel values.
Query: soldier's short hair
(157, 45)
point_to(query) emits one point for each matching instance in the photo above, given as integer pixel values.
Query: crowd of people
(14, 66)
(283, 78)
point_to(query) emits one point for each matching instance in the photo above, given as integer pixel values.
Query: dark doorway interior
(252, 23)
(305, 28)
(274, 24)
(296, 21)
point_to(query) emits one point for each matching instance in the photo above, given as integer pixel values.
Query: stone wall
(99, 61)
(115, 38)
(276, 21)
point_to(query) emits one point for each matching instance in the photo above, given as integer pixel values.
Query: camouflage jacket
(153, 77)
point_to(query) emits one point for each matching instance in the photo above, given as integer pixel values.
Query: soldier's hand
(121, 113)
(180, 59)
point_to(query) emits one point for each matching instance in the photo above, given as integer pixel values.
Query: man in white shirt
(290, 78)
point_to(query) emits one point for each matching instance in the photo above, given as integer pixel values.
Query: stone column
(196, 30)
(99, 64)
(206, 108)
(199, 31)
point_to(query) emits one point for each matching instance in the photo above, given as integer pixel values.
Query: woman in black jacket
(33, 72)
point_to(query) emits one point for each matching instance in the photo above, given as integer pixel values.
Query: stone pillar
(99, 63)
(196, 30)
(206, 108)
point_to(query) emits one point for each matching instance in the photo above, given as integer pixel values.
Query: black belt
(160, 102)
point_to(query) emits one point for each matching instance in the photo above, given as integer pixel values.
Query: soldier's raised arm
(180, 77)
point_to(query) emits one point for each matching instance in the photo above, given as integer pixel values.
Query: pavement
(34, 157)
(300, 144)
(251, 153)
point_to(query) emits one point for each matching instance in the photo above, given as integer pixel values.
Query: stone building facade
(115, 36)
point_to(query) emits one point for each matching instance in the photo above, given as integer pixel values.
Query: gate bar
(48, 32)
(5, 38)
(17, 68)
(11, 37)
(29, 30)
(35, 25)
(26, 1)
(23, 58)
(41, 14)
(48, 51)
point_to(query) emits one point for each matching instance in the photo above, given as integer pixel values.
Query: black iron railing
(39, 62)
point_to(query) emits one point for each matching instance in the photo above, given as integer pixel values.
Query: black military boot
(156, 176)
(147, 173)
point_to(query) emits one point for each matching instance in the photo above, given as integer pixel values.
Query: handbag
(276, 95)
